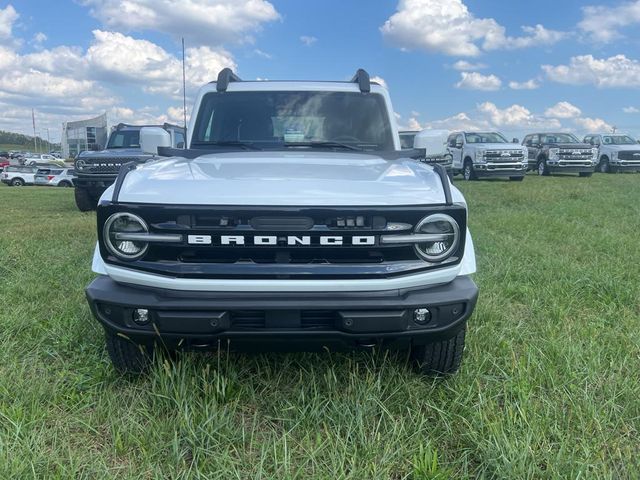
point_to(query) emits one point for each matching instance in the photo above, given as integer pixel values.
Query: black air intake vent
(281, 224)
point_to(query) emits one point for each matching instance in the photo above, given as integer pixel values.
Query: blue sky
(447, 63)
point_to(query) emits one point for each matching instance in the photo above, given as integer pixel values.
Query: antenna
(184, 96)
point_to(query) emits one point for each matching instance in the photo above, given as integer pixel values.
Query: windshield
(485, 137)
(406, 140)
(558, 138)
(124, 139)
(618, 140)
(270, 119)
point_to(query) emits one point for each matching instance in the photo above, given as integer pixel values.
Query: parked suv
(294, 221)
(33, 159)
(560, 153)
(486, 154)
(54, 177)
(18, 175)
(616, 152)
(95, 171)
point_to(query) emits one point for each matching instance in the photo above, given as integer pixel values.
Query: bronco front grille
(107, 165)
(297, 244)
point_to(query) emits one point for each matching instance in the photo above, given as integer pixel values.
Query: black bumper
(94, 183)
(570, 169)
(291, 321)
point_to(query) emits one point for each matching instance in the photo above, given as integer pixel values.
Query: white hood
(284, 179)
(497, 146)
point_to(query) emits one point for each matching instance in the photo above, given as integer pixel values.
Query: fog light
(141, 316)
(421, 315)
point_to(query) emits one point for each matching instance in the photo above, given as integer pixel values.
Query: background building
(84, 135)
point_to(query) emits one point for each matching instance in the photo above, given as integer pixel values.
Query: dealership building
(83, 135)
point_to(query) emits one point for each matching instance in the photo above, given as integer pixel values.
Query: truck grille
(629, 155)
(575, 154)
(503, 156)
(281, 259)
(107, 165)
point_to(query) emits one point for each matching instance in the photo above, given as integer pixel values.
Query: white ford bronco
(292, 220)
(487, 154)
(616, 152)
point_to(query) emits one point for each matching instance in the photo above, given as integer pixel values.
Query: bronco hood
(284, 179)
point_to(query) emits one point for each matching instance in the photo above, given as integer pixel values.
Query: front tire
(440, 358)
(604, 166)
(84, 200)
(468, 172)
(127, 356)
(65, 184)
(543, 169)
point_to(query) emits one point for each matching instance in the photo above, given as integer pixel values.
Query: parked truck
(293, 220)
(559, 152)
(616, 152)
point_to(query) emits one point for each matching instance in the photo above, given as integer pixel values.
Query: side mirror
(153, 137)
(515, 140)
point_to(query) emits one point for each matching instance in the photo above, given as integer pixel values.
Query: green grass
(548, 388)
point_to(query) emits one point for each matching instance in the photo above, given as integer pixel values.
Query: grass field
(549, 386)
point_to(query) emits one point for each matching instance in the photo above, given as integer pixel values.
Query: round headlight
(445, 232)
(123, 223)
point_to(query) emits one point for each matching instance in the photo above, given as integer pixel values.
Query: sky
(514, 66)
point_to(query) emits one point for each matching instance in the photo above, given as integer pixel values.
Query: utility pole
(48, 139)
(33, 119)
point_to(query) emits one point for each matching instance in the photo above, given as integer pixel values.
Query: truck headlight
(124, 222)
(554, 153)
(479, 156)
(442, 235)
(594, 153)
(80, 164)
(614, 155)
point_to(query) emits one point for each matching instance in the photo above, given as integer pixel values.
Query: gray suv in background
(54, 177)
(560, 153)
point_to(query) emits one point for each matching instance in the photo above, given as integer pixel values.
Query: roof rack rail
(225, 76)
(362, 79)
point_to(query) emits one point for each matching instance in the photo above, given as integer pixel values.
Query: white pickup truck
(292, 220)
(617, 152)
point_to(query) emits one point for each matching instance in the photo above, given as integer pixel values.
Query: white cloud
(593, 124)
(8, 16)
(563, 110)
(515, 116)
(379, 80)
(603, 24)
(465, 66)
(528, 85)
(262, 54)
(460, 121)
(447, 26)
(308, 40)
(631, 110)
(202, 22)
(616, 71)
(477, 81)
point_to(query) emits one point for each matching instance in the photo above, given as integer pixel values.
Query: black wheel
(440, 358)
(17, 182)
(604, 167)
(127, 356)
(585, 174)
(84, 201)
(468, 172)
(516, 179)
(543, 169)
(65, 184)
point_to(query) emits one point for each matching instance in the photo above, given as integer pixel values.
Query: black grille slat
(629, 155)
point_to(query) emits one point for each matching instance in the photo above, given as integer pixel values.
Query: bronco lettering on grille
(288, 240)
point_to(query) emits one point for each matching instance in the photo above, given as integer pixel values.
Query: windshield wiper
(323, 145)
(226, 143)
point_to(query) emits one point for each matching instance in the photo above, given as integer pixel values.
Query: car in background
(33, 159)
(432, 145)
(54, 177)
(617, 152)
(559, 152)
(18, 175)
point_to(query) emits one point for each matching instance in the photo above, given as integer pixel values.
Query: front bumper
(625, 166)
(568, 166)
(94, 183)
(500, 169)
(287, 320)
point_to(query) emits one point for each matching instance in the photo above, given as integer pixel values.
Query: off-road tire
(543, 169)
(585, 174)
(127, 356)
(468, 173)
(440, 358)
(516, 179)
(84, 201)
(17, 182)
(65, 184)
(603, 166)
